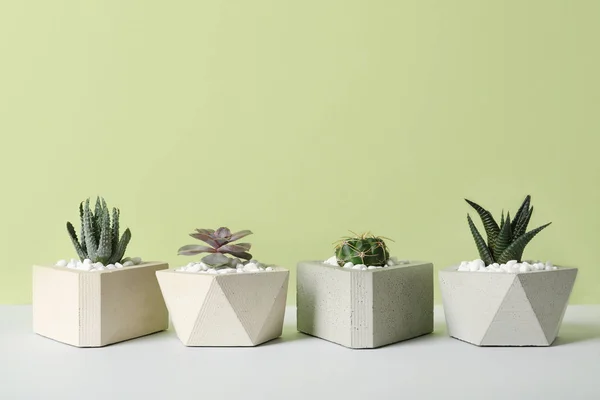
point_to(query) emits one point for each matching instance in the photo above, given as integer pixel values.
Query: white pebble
(511, 263)
(61, 263)
(136, 260)
(548, 268)
(193, 268)
(212, 271)
(348, 265)
(269, 269)
(128, 263)
(524, 268)
(87, 261)
(371, 267)
(119, 265)
(226, 270)
(240, 270)
(390, 263)
(548, 264)
(110, 266)
(330, 261)
(85, 267)
(72, 264)
(190, 264)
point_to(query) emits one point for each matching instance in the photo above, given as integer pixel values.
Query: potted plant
(101, 298)
(499, 300)
(362, 298)
(227, 298)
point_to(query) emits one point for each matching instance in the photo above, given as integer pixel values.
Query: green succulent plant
(505, 241)
(364, 249)
(99, 238)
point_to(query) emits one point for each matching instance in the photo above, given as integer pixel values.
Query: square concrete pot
(97, 308)
(365, 309)
(240, 309)
(503, 309)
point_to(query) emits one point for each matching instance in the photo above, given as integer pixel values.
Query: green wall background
(299, 120)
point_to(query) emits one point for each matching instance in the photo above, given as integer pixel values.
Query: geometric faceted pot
(239, 309)
(97, 308)
(365, 309)
(505, 309)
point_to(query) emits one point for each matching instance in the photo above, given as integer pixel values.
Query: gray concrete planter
(243, 309)
(365, 309)
(503, 309)
(97, 308)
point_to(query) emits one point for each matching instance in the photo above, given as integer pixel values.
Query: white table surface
(297, 366)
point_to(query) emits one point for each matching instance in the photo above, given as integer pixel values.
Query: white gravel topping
(242, 267)
(511, 267)
(88, 265)
(390, 263)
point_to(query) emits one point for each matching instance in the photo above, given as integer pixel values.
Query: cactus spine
(364, 249)
(99, 238)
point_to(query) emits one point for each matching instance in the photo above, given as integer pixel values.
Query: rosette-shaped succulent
(219, 243)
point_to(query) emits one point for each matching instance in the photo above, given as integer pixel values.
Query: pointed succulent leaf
(105, 245)
(206, 238)
(82, 233)
(502, 220)
(522, 226)
(504, 238)
(215, 260)
(80, 253)
(515, 250)
(521, 213)
(239, 235)
(115, 229)
(88, 226)
(238, 248)
(122, 246)
(490, 225)
(193, 249)
(205, 231)
(484, 251)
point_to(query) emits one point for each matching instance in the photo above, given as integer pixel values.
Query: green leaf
(515, 250)
(91, 243)
(504, 238)
(118, 255)
(115, 229)
(502, 220)
(484, 251)
(80, 252)
(82, 234)
(522, 226)
(105, 245)
(490, 225)
(521, 213)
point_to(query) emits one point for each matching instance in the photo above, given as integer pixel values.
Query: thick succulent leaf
(484, 251)
(192, 249)
(82, 234)
(502, 220)
(515, 250)
(91, 243)
(243, 255)
(237, 248)
(105, 245)
(504, 238)
(521, 213)
(491, 227)
(215, 260)
(239, 235)
(80, 252)
(206, 238)
(115, 229)
(205, 231)
(223, 232)
(118, 255)
(522, 226)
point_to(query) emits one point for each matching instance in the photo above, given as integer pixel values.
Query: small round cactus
(364, 249)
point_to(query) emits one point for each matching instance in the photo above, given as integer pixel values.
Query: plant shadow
(572, 333)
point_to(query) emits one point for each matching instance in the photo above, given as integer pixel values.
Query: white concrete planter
(97, 308)
(505, 309)
(365, 309)
(243, 309)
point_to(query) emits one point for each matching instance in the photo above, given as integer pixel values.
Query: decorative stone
(97, 308)
(499, 309)
(365, 308)
(237, 309)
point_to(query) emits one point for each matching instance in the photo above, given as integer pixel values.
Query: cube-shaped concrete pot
(97, 308)
(365, 309)
(240, 309)
(503, 309)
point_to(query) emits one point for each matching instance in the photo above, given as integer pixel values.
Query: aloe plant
(99, 238)
(219, 243)
(505, 241)
(366, 249)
